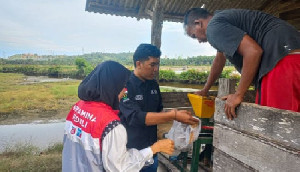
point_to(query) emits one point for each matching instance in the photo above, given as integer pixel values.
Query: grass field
(51, 100)
(30, 158)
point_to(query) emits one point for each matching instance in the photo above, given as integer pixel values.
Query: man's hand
(202, 92)
(232, 101)
(185, 117)
(165, 145)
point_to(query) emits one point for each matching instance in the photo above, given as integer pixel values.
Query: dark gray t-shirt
(276, 37)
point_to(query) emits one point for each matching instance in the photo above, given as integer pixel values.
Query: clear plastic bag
(183, 136)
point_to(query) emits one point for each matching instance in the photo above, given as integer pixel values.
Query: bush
(194, 76)
(167, 75)
(226, 73)
(54, 71)
(84, 68)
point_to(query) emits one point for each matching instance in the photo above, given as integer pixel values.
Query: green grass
(25, 157)
(26, 100)
(65, 90)
(9, 80)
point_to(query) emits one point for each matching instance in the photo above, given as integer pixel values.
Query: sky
(63, 27)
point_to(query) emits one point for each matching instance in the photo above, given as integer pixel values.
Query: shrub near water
(167, 75)
(41, 70)
(194, 76)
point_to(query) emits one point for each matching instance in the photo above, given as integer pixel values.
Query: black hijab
(104, 84)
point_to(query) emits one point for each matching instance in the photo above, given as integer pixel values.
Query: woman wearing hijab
(94, 138)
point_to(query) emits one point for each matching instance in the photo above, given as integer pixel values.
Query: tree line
(98, 57)
(80, 66)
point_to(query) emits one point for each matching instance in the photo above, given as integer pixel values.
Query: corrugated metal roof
(174, 10)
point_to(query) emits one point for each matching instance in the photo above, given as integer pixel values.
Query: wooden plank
(288, 5)
(290, 15)
(272, 8)
(279, 126)
(264, 5)
(295, 23)
(255, 151)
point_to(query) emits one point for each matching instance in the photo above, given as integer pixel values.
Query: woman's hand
(165, 145)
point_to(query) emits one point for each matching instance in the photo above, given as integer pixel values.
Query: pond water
(37, 134)
(37, 79)
(173, 85)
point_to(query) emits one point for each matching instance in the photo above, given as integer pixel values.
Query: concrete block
(256, 152)
(223, 162)
(278, 126)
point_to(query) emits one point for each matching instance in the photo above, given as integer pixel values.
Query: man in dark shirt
(263, 48)
(141, 108)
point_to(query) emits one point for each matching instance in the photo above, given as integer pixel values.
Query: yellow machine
(204, 107)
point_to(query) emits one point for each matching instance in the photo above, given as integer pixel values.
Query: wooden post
(157, 23)
(226, 86)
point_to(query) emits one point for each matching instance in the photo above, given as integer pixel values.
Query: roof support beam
(157, 23)
(149, 12)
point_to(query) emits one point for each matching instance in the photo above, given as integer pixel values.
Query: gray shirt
(277, 38)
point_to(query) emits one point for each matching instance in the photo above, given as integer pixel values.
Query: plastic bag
(183, 136)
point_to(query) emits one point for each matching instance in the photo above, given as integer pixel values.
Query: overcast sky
(64, 27)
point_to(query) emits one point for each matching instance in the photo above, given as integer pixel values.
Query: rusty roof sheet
(174, 10)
